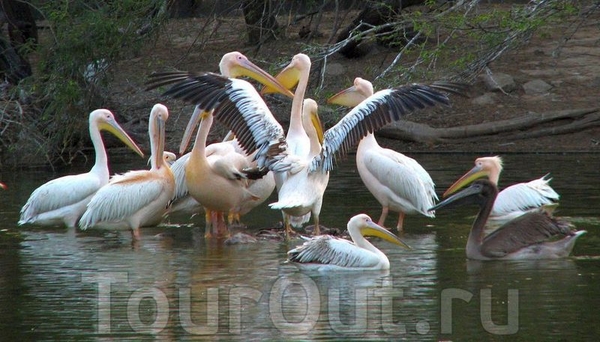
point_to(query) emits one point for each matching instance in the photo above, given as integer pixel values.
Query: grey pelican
(326, 252)
(63, 200)
(533, 235)
(136, 198)
(514, 200)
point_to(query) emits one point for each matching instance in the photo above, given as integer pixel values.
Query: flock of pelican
(228, 179)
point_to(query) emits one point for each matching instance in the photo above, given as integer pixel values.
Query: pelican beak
(473, 174)
(249, 69)
(160, 128)
(288, 77)
(3, 186)
(461, 197)
(197, 116)
(316, 121)
(113, 127)
(373, 229)
(349, 97)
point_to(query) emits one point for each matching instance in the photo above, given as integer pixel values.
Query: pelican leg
(208, 223)
(135, 234)
(221, 226)
(288, 227)
(400, 225)
(384, 213)
(317, 230)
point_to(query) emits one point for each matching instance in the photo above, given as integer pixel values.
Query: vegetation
(44, 116)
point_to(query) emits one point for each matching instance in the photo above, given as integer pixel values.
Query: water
(96, 285)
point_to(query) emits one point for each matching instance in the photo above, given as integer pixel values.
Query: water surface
(175, 285)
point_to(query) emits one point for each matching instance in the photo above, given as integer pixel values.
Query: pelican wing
(238, 106)
(524, 196)
(59, 193)
(525, 230)
(396, 172)
(123, 196)
(329, 250)
(373, 113)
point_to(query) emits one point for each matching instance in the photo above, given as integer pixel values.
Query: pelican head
(362, 224)
(290, 75)
(105, 120)
(478, 193)
(237, 65)
(489, 167)
(351, 97)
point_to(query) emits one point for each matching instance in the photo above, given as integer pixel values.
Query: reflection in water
(176, 285)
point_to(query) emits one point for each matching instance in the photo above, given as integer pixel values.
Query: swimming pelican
(63, 200)
(399, 183)
(224, 163)
(137, 198)
(525, 237)
(514, 200)
(327, 252)
(248, 117)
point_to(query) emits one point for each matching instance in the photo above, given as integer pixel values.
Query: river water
(175, 285)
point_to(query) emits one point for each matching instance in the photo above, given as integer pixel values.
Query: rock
(499, 82)
(485, 99)
(240, 238)
(536, 87)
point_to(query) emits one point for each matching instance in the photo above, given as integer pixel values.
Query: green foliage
(85, 38)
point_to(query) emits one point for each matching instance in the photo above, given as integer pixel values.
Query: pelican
(327, 252)
(237, 105)
(221, 163)
(3, 186)
(399, 183)
(525, 237)
(169, 157)
(514, 200)
(137, 198)
(63, 200)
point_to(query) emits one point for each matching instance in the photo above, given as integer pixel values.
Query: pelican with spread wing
(533, 235)
(399, 183)
(63, 200)
(326, 252)
(214, 175)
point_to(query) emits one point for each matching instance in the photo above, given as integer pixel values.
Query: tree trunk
(578, 119)
(22, 31)
(261, 23)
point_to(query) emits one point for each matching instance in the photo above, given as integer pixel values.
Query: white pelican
(137, 198)
(399, 183)
(63, 200)
(327, 252)
(169, 157)
(237, 105)
(533, 235)
(514, 200)
(225, 162)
